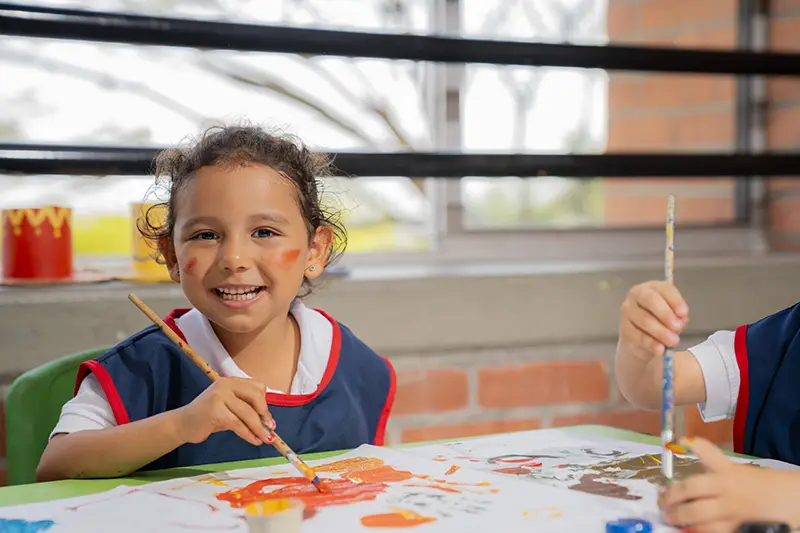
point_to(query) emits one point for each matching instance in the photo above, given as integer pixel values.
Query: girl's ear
(319, 250)
(167, 250)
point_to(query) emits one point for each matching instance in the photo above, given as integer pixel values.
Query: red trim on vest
(380, 432)
(110, 390)
(740, 417)
(102, 375)
(169, 320)
(294, 400)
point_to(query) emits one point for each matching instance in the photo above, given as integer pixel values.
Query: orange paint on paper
(360, 479)
(351, 465)
(442, 488)
(384, 473)
(399, 518)
(514, 471)
(440, 458)
(452, 470)
(342, 491)
(481, 484)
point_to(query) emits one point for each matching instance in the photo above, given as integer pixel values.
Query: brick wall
(690, 113)
(783, 127)
(443, 396)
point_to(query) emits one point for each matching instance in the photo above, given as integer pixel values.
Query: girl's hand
(235, 404)
(652, 317)
(729, 494)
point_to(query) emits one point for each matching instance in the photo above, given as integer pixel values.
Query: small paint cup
(37, 243)
(275, 516)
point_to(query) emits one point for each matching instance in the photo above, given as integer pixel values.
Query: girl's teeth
(238, 296)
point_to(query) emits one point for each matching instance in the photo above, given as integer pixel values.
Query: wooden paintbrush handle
(174, 337)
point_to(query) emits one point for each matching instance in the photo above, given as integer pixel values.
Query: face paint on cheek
(285, 259)
(190, 266)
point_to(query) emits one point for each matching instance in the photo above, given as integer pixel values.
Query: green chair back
(33, 406)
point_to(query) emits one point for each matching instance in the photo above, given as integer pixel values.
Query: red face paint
(190, 265)
(286, 258)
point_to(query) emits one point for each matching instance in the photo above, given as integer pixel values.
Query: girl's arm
(110, 452)
(234, 404)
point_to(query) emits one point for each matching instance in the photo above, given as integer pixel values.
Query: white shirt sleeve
(717, 358)
(89, 409)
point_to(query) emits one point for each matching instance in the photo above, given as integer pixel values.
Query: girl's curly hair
(243, 145)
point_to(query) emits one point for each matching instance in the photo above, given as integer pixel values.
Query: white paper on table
(452, 500)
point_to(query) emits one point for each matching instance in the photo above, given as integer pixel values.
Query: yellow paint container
(143, 252)
(275, 516)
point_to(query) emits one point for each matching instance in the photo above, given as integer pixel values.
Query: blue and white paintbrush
(668, 390)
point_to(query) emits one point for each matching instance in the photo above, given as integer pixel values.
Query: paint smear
(382, 473)
(514, 471)
(452, 470)
(520, 458)
(442, 488)
(343, 491)
(440, 458)
(190, 266)
(24, 526)
(285, 258)
(350, 465)
(360, 479)
(398, 518)
(591, 483)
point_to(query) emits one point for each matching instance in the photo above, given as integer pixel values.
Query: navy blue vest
(767, 420)
(147, 374)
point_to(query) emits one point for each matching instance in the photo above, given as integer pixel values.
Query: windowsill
(408, 310)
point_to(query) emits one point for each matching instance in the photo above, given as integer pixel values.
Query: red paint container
(37, 243)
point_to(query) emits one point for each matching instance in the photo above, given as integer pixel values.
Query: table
(38, 492)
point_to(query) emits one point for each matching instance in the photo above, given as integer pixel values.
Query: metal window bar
(59, 23)
(110, 27)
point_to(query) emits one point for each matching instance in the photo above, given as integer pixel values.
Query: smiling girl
(245, 231)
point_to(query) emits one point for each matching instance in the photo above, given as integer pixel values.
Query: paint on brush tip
(321, 485)
(677, 448)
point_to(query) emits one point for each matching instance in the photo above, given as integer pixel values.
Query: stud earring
(312, 268)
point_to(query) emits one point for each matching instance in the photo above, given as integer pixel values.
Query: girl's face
(241, 247)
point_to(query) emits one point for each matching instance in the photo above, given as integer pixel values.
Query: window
(73, 92)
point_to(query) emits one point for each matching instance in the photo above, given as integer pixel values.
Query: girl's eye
(204, 236)
(264, 233)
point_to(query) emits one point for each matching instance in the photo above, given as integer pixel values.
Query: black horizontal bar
(99, 161)
(109, 27)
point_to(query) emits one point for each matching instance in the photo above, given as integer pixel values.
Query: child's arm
(729, 493)
(232, 404)
(111, 452)
(653, 315)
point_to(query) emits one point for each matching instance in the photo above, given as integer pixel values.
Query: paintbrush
(668, 390)
(278, 443)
